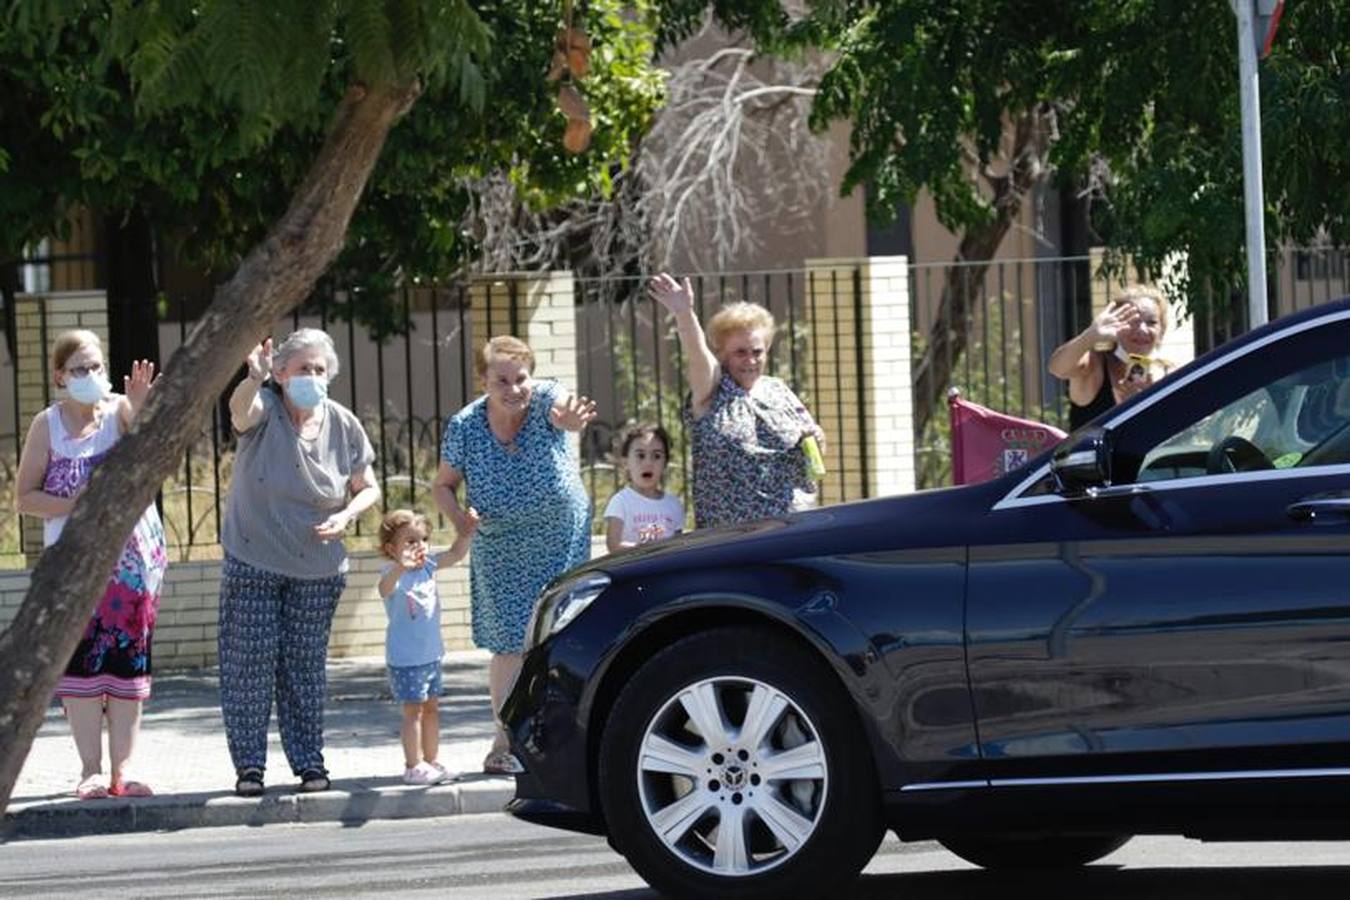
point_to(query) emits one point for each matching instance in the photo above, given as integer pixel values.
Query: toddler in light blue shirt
(413, 647)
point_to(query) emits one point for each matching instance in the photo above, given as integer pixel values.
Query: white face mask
(89, 388)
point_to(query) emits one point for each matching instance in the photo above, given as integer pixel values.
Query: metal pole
(1251, 163)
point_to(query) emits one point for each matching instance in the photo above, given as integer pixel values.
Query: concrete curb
(352, 802)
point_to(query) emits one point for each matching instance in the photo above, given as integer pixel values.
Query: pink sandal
(130, 789)
(92, 788)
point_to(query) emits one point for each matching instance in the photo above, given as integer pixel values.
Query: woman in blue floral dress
(510, 448)
(746, 428)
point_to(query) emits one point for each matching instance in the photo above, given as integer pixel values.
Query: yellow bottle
(815, 463)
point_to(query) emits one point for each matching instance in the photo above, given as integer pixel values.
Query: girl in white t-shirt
(643, 512)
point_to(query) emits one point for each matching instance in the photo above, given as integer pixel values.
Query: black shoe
(250, 782)
(314, 780)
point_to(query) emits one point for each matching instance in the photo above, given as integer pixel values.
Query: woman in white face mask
(302, 474)
(109, 674)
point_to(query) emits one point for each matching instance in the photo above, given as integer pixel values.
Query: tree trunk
(276, 275)
(948, 339)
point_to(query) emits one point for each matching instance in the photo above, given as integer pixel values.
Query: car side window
(1298, 420)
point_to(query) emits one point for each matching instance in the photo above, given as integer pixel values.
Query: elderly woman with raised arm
(302, 474)
(747, 428)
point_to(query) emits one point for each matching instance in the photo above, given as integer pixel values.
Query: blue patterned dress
(535, 514)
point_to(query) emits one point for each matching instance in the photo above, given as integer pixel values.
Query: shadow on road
(1098, 882)
(1108, 883)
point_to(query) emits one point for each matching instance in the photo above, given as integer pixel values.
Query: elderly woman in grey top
(301, 475)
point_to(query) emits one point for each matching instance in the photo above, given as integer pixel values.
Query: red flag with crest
(987, 444)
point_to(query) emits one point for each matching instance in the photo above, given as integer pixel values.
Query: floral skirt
(113, 656)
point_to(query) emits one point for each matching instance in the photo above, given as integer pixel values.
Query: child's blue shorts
(415, 684)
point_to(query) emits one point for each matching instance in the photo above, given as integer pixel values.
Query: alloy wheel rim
(732, 776)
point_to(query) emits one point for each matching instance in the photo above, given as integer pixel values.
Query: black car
(1148, 632)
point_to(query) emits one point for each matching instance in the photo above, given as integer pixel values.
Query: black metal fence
(631, 362)
(1011, 314)
(405, 384)
(985, 328)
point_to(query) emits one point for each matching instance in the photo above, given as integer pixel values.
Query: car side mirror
(1083, 463)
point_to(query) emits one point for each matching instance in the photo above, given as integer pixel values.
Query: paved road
(493, 856)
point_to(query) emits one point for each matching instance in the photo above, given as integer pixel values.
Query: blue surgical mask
(307, 391)
(89, 388)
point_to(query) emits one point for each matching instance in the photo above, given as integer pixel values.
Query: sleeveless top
(1105, 399)
(70, 461)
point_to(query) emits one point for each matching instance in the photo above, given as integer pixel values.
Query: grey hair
(306, 339)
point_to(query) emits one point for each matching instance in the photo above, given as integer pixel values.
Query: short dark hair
(643, 429)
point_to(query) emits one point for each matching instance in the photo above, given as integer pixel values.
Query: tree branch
(70, 577)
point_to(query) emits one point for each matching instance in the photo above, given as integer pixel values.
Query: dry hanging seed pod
(569, 38)
(579, 61)
(558, 67)
(571, 104)
(577, 137)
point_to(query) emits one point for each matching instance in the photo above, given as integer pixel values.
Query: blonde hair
(739, 316)
(1135, 293)
(68, 343)
(504, 346)
(395, 521)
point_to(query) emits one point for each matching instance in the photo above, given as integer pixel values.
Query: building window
(37, 274)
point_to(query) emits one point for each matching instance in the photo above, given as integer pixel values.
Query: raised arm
(1072, 360)
(572, 413)
(246, 407)
(1074, 356)
(703, 370)
(135, 388)
(389, 580)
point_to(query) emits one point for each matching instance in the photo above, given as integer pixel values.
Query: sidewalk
(182, 755)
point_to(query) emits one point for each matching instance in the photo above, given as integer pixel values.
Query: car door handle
(1325, 508)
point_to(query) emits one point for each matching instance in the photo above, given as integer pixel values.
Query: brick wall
(538, 308)
(185, 636)
(544, 317)
(870, 432)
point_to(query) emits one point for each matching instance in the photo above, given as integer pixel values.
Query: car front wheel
(732, 766)
(1054, 852)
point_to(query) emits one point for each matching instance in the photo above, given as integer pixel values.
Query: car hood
(936, 518)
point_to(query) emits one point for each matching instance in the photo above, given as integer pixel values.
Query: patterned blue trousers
(274, 636)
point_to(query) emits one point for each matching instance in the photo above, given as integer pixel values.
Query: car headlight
(558, 606)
